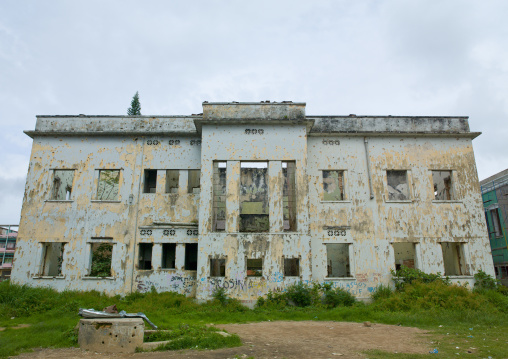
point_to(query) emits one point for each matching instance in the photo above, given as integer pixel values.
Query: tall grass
(53, 315)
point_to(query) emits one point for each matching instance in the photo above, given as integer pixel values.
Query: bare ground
(284, 339)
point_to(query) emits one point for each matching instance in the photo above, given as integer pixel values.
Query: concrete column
(275, 200)
(161, 181)
(232, 196)
(180, 256)
(156, 256)
(183, 180)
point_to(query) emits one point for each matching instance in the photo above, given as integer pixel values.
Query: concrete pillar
(275, 200)
(232, 196)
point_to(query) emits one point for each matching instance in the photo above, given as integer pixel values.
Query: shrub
(431, 296)
(407, 275)
(301, 294)
(382, 292)
(484, 281)
(337, 297)
(220, 295)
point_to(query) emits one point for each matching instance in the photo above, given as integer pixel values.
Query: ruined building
(248, 197)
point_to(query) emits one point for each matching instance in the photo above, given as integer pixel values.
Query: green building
(495, 202)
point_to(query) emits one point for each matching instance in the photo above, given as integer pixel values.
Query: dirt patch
(277, 340)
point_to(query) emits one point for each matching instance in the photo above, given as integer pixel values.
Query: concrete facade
(280, 197)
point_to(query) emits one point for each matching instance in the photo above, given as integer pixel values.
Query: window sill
(48, 277)
(400, 201)
(446, 201)
(335, 201)
(99, 201)
(339, 278)
(59, 200)
(466, 276)
(95, 278)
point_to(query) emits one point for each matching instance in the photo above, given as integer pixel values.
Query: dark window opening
(291, 267)
(337, 259)
(496, 221)
(254, 207)
(168, 256)
(191, 256)
(217, 267)
(443, 190)
(145, 256)
(254, 267)
(150, 181)
(193, 181)
(289, 196)
(101, 259)
(172, 178)
(453, 258)
(219, 197)
(52, 259)
(398, 189)
(404, 255)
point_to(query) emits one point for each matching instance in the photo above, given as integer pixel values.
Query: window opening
(289, 196)
(219, 196)
(333, 185)
(172, 178)
(442, 185)
(52, 259)
(7, 260)
(496, 221)
(254, 207)
(101, 259)
(337, 259)
(453, 258)
(254, 267)
(62, 184)
(191, 256)
(145, 256)
(217, 267)
(150, 184)
(404, 255)
(168, 256)
(108, 185)
(398, 189)
(193, 181)
(291, 267)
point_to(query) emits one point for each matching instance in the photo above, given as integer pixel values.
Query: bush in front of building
(335, 297)
(406, 275)
(305, 295)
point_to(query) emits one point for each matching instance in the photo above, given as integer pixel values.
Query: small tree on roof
(135, 109)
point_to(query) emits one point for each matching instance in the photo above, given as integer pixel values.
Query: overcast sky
(428, 57)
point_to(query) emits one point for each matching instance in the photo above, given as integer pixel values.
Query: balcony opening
(254, 207)
(191, 256)
(150, 184)
(168, 256)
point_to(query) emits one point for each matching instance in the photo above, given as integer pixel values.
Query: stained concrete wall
(363, 147)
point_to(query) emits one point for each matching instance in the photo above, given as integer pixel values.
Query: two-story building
(249, 197)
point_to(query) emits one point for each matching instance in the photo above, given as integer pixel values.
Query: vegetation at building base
(454, 315)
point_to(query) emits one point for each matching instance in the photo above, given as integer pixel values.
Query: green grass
(53, 316)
